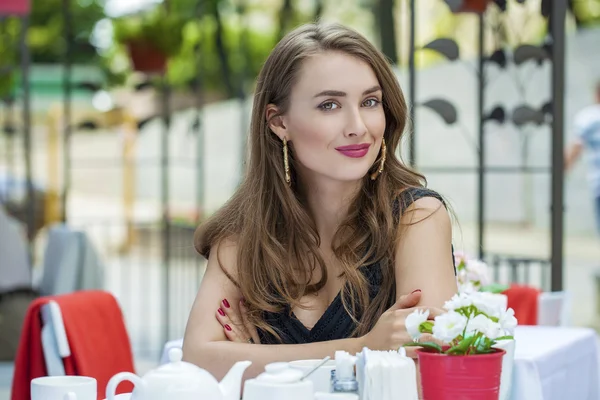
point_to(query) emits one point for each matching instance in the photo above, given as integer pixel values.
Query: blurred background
(123, 125)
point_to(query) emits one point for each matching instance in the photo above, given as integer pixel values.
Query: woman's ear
(275, 121)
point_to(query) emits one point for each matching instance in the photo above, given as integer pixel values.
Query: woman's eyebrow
(338, 93)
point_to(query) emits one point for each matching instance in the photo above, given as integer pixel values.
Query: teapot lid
(176, 365)
(280, 372)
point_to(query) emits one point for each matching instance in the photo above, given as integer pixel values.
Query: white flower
(448, 326)
(459, 258)
(508, 322)
(493, 305)
(478, 271)
(414, 320)
(459, 300)
(483, 324)
(467, 287)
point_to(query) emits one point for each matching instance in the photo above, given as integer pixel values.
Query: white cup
(64, 388)
(321, 378)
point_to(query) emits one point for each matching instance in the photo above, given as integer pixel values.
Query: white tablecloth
(556, 363)
(551, 363)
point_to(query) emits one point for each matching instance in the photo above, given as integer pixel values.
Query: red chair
(85, 330)
(524, 300)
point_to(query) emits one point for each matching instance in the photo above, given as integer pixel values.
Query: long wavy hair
(276, 237)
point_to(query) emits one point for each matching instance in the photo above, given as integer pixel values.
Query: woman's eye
(330, 105)
(371, 103)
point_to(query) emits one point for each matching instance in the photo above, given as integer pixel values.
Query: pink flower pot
(449, 377)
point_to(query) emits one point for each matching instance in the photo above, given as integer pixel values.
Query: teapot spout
(231, 385)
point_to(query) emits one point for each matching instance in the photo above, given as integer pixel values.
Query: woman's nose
(355, 125)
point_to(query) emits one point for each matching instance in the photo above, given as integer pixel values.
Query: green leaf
(494, 288)
(426, 345)
(426, 327)
(504, 338)
(485, 350)
(462, 347)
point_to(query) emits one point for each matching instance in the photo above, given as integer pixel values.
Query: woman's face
(335, 121)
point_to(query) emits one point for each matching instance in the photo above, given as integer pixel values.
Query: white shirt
(587, 129)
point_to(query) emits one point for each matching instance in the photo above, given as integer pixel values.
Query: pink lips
(354, 150)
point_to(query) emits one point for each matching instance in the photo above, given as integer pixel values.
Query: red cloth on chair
(524, 300)
(97, 337)
(29, 362)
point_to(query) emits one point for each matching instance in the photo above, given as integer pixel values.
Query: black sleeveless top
(335, 323)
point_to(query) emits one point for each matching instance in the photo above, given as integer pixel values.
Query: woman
(330, 240)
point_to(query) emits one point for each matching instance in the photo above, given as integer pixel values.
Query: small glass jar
(343, 385)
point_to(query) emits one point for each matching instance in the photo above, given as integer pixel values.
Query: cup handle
(111, 388)
(70, 396)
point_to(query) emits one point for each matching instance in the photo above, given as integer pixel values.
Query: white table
(551, 363)
(556, 363)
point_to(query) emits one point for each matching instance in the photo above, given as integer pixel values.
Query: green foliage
(587, 12)
(8, 56)
(158, 27)
(201, 35)
(46, 34)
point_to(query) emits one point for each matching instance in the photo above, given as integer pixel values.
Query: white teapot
(279, 381)
(181, 380)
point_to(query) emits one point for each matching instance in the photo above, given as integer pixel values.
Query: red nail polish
(227, 327)
(221, 312)
(415, 291)
(226, 303)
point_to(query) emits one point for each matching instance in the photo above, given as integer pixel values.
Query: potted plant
(475, 276)
(150, 38)
(476, 6)
(467, 366)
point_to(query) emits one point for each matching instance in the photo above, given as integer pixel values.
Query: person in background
(330, 240)
(587, 136)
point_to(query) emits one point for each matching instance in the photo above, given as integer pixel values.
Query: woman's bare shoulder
(223, 255)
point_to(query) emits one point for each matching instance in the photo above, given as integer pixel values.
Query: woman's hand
(234, 323)
(389, 333)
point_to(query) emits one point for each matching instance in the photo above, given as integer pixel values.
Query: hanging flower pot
(474, 6)
(466, 377)
(145, 57)
(14, 7)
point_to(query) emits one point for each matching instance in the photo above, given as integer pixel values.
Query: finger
(408, 300)
(233, 314)
(232, 334)
(222, 317)
(433, 311)
(228, 327)
(250, 329)
(428, 337)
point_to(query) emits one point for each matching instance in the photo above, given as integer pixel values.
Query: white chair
(70, 263)
(553, 308)
(54, 339)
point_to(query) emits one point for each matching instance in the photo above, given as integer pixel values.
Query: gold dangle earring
(374, 175)
(286, 164)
